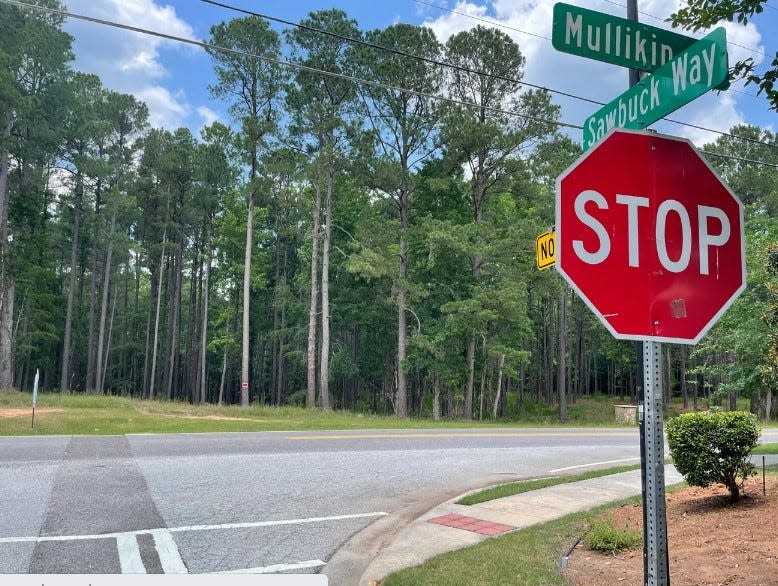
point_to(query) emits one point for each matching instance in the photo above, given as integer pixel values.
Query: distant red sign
(650, 237)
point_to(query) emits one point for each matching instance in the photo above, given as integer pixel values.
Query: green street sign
(608, 38)
(687, 76)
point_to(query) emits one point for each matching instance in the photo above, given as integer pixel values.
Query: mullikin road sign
(687, 76)
(600, 36)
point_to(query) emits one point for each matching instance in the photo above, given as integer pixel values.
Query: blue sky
(172, 78)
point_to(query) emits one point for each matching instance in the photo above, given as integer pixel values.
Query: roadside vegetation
(329, 244)
(521, 486)
(529, 556)
(603, 535)
(77, 413)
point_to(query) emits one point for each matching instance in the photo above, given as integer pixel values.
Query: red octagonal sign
(650, 237)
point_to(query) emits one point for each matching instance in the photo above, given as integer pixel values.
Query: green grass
(765, 449)
(521, 486)
(603, 535)
(91, 414)
(78, 413)
(528, 556)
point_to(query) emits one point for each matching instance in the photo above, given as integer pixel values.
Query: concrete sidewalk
(450, 526)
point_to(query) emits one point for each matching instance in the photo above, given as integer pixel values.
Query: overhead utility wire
(306, 68)
(741, 159)
(518, 30)
(505, 26)
(660, 19)
(481, 19)
(281, 62)
(395, 51)
(458, 67)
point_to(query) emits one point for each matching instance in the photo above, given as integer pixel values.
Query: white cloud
(127, 61)
(529, 23)
(208, 115)
(166, 110)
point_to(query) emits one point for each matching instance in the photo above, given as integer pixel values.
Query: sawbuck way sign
(685, 77)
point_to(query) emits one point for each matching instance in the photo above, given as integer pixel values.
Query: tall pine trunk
(479, 191)
(324, 364)
(401, 402)
(244, 363)
(204, 332)
(470, 357)
(101, 382)
(561, 383)
(313, 306)
(90, 348)
(104, 307)
(64, 383)
(498, 396)
(153, 374)
(175, 309)
(7, 281)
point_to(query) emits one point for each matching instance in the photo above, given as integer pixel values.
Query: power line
(281, 62)
(741, 159)
(454, 66)
(397, 51)
(212, 47)
(481, 19)
(502, 25)
(508, 27)
(734, 44)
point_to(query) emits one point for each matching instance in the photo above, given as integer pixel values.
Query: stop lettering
(650, 237)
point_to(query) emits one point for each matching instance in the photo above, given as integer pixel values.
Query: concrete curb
(421, 540)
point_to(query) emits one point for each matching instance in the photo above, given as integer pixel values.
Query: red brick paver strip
(471, 524)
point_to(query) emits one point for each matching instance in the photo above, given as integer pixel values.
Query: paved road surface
(252, 502)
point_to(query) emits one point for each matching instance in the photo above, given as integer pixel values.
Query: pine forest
(345, 240)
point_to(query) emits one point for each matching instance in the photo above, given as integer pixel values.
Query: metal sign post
(655, 517)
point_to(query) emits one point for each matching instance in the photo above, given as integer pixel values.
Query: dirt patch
(26, 411)
(710, 541)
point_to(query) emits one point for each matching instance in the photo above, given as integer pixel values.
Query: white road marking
(453, 435)
(277, 568)
(593, 464)
(168, 552)
(193, 528)
(129, 554)
(275, 523)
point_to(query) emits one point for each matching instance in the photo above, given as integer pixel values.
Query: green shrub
(603, 535)
(711, 447)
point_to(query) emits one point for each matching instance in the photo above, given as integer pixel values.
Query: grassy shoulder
(529, 556)
(765, 449)
(92, 414)
(105, 414)
(511, 488)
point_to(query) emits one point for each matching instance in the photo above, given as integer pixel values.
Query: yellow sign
(545, 250)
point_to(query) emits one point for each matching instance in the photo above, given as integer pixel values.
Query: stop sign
(650, 237)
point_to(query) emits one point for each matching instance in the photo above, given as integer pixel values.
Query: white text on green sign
(600, 36)
(700, 68)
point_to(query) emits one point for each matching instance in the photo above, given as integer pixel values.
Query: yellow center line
(455, 435)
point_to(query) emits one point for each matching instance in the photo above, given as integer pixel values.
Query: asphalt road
(254, 502)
